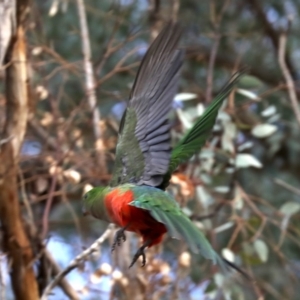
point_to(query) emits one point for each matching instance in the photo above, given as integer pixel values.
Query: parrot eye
(85, 196)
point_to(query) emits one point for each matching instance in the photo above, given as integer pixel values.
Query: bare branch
(77, 261)
(2, 278)
(271, 32)
(287, 75)
(42, 134)
(64, 284)
(216, 21)
(175, 4)
(8, 26)
(90, 81)
(49, 203)
(155, 17)
(228, 59)
(287, 186)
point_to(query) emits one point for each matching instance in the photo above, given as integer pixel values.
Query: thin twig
(119, 66)
(42, 134)
(216, 22)
(49, 203)
(271, 32)
(175, 4)
(210, 72)
(3, 141)
(77, 261)
(287, 186)
(287, 75)
(25, 198)
(2, 279)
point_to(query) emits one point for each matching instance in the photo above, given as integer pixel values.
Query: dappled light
(67, 73)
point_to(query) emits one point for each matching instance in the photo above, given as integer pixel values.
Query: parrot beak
(85, 212)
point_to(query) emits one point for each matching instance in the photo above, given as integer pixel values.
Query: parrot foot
(119, 238)
(139, 253)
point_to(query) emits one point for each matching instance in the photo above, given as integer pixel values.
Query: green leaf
(222, 189)
(224, 227)
(263, 130)
(269, 111)
(245, 160)
(290, 208)
(185, 96)
(249, 81)
(250, 95)
(261, 249)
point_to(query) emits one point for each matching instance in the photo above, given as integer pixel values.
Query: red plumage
(133, 218)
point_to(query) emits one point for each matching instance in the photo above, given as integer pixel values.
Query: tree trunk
(16, 244)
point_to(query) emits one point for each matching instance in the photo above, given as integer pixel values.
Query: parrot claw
(119, 238)
(139, 253)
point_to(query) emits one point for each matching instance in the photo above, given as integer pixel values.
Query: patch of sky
(31, 148)
(64, 253)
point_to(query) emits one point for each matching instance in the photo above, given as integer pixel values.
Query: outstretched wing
(196, 137)
(143, 149)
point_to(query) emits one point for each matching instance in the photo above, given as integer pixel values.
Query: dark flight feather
(143, 150)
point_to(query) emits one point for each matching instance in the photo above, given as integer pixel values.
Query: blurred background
(242, 190)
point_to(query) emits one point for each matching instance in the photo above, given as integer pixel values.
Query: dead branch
(90, 82)
(83, 256)
(271, 32)
(110, 49)
(287, 75)
(64, 284)
(42, 134)
(155, 17)
(119, 67)
(215, 21)
(175, 4)
(227, 60)
(48, 204)
(287, 186)
(8, 25)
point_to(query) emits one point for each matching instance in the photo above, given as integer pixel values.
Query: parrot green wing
(143, 150)
(196, 137)
(163, 208)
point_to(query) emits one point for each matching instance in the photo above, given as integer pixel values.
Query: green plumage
(196, 137)
(163, 208)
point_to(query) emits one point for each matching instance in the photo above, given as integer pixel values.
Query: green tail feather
(164, 218)
(165, 210)
(180, 226)
(196, 137)
(193, 237)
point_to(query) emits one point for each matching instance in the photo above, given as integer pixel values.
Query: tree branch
(271, 32)
(90, 82)
(228, 60)
(77, 261)
(287, 75)
(8, 25)
(64, 284)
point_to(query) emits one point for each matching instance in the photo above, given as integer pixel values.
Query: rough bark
(16, 243)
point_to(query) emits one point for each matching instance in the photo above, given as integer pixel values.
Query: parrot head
(94, 204)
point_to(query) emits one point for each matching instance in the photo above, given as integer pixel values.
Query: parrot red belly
(133, 218)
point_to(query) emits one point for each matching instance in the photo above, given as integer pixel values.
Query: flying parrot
(136, 199)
